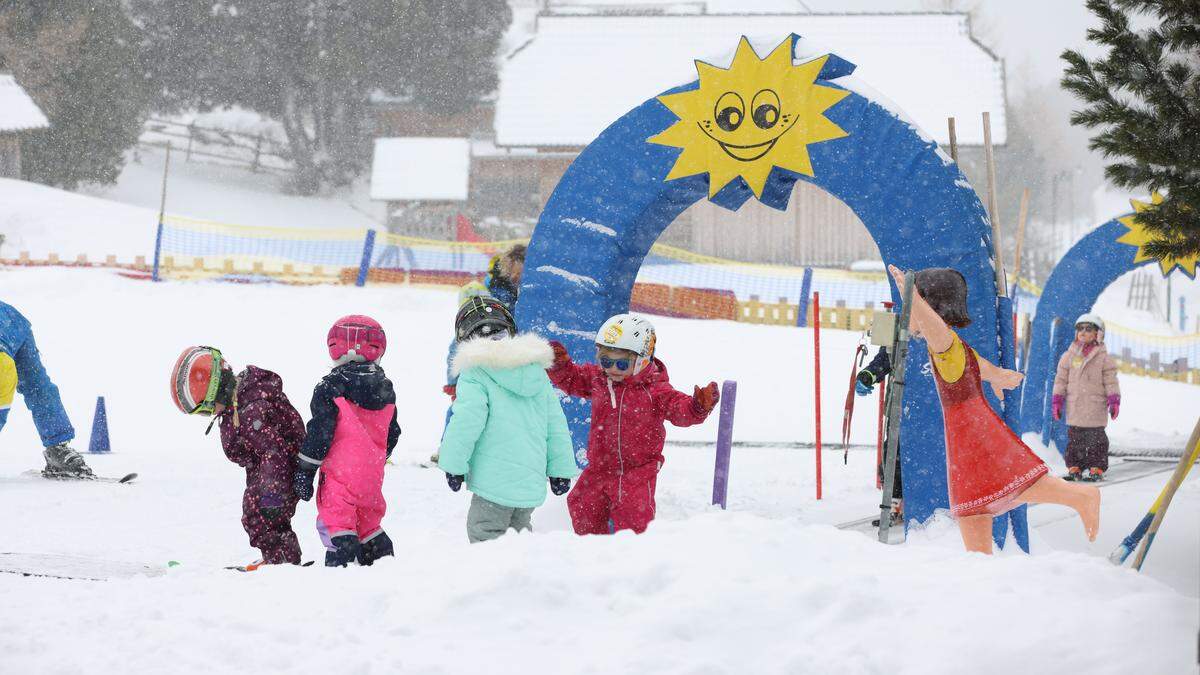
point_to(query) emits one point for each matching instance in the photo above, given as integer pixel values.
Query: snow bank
(719, 593)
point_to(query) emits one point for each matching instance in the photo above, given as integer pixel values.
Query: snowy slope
(767, 587)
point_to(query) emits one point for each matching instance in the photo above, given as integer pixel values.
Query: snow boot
(1095, 475)
(63, 462)
(1073, 473)
(375, 548)
(346, 549)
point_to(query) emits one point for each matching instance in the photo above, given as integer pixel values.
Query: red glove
(704, 400)
(1056, 406)
(1114, 405)
(561, 358)
(450, 390)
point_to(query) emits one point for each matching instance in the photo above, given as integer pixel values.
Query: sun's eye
(729, 111)
(765, 107)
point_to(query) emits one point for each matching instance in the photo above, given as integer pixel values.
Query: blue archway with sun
(752, 130)
(1092, 265)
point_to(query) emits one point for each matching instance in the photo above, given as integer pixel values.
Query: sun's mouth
(747, 153)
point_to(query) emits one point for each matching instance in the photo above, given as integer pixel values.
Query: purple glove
(1056, 406)
(1114, 405)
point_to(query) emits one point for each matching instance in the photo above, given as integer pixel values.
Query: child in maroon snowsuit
(629, 407)
(262, 432)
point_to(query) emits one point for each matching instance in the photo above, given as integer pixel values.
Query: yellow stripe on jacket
(8, 381)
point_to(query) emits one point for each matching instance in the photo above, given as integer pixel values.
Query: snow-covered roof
(429, 169)
(578, 74)
(18, 112)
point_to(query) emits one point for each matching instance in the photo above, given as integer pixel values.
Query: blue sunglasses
(621, 364)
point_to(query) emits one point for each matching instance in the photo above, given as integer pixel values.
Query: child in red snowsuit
(631, 397)
(260, 432)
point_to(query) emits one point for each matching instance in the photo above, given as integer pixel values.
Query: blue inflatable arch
(1091, 266)
(616, 199)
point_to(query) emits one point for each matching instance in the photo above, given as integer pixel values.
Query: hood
(255, 383)
(516, 363)
(364, 383)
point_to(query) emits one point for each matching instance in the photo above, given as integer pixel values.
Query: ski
(74, 567)
(257, 565)
(127, 478)
(892, 406)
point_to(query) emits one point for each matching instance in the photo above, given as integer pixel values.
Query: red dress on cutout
(987, 465)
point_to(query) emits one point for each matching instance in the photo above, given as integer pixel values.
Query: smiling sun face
(755, 115)
(1138, 237)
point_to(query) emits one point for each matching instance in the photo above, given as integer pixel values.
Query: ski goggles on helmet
(196, 380)
(619, 364)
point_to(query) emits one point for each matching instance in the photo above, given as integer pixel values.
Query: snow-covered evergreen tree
(1144, 96)
(81, 61)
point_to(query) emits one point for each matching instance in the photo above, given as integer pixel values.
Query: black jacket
(363, 384)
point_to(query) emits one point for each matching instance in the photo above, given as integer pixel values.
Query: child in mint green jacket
(507, 434)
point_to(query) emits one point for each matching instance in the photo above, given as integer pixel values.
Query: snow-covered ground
(769, 586)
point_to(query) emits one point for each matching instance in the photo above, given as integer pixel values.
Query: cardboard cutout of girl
(988, 469)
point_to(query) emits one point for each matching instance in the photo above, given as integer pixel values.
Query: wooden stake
(953, 141)
(1024, 213)
(162, 206)
(1001, 284)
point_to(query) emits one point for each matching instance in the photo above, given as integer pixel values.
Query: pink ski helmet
(356, 338)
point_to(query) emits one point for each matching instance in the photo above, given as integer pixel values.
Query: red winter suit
(262, 433)
(350, 436)
(616, 490)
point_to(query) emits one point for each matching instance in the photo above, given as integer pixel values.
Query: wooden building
(18, 115)
(580, 68)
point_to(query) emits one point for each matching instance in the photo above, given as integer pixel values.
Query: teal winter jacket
(507, 432)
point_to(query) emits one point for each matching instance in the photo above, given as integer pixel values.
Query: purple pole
(724, 443)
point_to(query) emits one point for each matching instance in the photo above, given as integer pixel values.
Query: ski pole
(817, 379)
(860, 354)
(1150, 523)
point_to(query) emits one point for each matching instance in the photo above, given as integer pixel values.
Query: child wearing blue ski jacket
(21, 370)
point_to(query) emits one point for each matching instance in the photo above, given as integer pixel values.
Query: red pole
(879, 437)
(817, 379)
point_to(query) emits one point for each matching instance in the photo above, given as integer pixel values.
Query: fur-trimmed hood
(516, 363)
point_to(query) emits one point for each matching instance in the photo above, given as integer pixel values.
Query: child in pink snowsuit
(350, 436)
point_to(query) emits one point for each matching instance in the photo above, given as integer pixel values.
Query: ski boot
(62, 462)
(375, 548)
(346, 549)
(1073, 473)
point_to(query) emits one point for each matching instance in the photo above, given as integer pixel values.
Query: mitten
(450, 390)
(704, 400)
(561, 358)
(1114, 405)
(302, 482)
(559, 486)
(455, 482)
(1056, 406)
(864, 384)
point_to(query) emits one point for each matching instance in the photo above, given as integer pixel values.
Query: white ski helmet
(1091, 318)
(631, 333)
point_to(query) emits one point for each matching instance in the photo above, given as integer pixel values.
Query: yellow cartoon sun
(746, 119)
(1138, 236)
